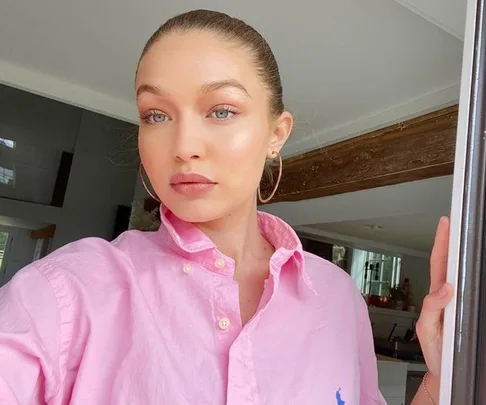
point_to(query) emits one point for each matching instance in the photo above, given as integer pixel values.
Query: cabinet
(414, 380)
(394, 401)
(392, 380)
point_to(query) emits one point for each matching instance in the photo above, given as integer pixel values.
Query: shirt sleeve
(370, 392)
(29, 340)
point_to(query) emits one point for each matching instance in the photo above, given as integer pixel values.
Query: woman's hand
(430, 323)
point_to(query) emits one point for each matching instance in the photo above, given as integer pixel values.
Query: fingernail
(443, 291)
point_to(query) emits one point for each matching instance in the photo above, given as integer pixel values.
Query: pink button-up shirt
(153, 318)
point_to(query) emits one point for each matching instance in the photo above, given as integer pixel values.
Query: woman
(221, 305)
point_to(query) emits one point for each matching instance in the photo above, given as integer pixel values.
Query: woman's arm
(29, 340)
(430, 323)
(429, 396)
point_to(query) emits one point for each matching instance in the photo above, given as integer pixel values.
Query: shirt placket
(233, 340)
(224, 301)
(242, 381)
(232, 343)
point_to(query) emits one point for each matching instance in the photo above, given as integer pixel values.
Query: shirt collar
(191, 241)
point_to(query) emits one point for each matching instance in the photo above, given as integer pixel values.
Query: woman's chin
(197, 211)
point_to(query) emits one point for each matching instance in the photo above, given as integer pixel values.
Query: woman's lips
(191, 184)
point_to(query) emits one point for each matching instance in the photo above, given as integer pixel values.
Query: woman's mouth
(191, 184)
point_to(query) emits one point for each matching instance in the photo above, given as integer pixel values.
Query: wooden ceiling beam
(415, 149)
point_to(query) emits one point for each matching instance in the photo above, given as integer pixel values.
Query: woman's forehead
(198, 58)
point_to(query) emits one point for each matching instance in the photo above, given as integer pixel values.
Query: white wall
(424, 196)
(416, 269)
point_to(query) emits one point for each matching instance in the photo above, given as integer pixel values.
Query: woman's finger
(438, 258)
(429, 323)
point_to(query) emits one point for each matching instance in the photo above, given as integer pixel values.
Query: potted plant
(397, 296)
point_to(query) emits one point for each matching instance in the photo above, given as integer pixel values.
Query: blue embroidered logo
(338, 398)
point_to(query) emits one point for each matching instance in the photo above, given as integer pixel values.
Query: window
(6, 176)
(375, 273)
(8, 143)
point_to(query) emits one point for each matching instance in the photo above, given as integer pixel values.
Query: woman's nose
(189, 143)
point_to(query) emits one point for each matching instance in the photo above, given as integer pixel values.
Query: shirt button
(224, 323)
(187, 268)
(219, 263)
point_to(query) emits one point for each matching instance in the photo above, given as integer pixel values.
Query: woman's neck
(238, 236)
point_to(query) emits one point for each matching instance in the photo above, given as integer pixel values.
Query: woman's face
(205, 127)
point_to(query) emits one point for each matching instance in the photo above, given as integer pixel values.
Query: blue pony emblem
(338, 398)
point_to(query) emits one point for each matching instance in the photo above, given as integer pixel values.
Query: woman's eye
(223, 114)
(155, 117)
(159, 117)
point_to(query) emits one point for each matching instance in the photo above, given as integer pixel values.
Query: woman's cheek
(244, 143)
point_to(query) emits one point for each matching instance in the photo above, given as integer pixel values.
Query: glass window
(8, 143)
(375, 273)
(7, 176)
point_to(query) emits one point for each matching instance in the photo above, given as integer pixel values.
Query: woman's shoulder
(96, 259)
(322, 271)
(332, 283)
(93, 248)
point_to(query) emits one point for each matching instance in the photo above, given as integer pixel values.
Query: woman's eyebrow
(148, 88)
(205, 88)
(217, 85)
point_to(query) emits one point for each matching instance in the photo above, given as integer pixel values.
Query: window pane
(375, 274)
(7, 143)
(6, 176)
(29, 169)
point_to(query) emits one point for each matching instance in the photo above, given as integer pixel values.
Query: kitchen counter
(396, 378)
(380, 357)
(392, 379)
(412, 366)
(417, 366)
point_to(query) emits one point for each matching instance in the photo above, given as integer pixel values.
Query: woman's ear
(280, 133)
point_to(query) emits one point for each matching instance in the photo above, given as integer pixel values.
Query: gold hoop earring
(264, 201)
(145, 186)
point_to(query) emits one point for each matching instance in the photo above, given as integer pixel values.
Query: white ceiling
(447, 14)
(348, 66)
(415, 232)
(408, 213)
